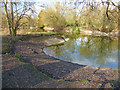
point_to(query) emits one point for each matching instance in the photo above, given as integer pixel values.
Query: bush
(51, 18)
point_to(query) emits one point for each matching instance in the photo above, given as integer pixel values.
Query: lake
(94, 51)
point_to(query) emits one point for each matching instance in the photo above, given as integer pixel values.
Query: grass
(60, 79)
(45, 33)
(19, 59)
(84, 81)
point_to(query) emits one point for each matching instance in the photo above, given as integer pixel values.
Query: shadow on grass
(24, 76)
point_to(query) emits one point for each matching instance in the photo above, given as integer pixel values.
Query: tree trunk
(13, 32)
(10, 31)
(12, 19)
(8, 19)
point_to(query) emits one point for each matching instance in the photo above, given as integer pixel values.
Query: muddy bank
(60, 73)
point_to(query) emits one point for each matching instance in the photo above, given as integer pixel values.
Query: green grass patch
(84, 81)
(45, 33)
(19, 59)
(60, 79)
(35, 69)
(45, 75)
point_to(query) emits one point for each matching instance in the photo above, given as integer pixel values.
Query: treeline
(91, 17)
(61, 16)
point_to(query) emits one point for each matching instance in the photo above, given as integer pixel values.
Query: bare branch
(108, 3)
(114, 4)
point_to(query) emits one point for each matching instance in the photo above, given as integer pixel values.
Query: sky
(50, 3)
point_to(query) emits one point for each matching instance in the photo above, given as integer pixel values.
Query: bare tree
(14, 12)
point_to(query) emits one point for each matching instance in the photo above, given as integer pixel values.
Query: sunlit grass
(27, 31)
(46, 33)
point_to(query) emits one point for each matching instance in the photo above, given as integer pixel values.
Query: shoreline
(61, 42)
(30, 53)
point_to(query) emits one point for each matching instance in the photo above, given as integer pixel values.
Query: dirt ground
(30, 67)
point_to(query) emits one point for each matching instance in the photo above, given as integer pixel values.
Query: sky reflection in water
(86, 50)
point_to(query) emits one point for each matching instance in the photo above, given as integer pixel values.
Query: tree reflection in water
(88, 50)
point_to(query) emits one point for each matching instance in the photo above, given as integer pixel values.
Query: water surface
(87, 50)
